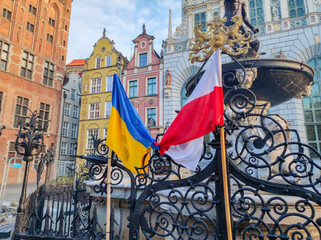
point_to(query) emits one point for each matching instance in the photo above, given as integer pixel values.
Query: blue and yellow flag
(127, 136)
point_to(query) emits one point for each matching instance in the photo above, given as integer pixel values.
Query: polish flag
(183, 140)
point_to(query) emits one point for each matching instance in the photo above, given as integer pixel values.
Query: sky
(123, 20)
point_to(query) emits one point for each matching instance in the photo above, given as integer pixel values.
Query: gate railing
(274, 183)
(274, 186)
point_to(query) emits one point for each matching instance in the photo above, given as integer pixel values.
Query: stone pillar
(285, 14)
(190, 24)
(311, 11)
(268, 16)
(209, 13)
(267, 10)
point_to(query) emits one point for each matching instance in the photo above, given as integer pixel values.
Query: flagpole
(225, 186)
(108, 200)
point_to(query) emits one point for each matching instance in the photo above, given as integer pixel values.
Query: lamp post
(30, 139)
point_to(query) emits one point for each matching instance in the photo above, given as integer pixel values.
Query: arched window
(312, 108)
(296, 8)
(256, 12)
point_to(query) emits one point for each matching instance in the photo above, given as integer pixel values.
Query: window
(48, 74)
(94, 110)
(63, 148)
(1, 95)
(90, 134)
(95, 85)
(4, 53)
(72, 149)
(75, 111)
(21, 111)
(108, 61)
(32, 9)
(67, 109)
(296, 8)
(49, 38)
(143, 59)
(200, 18)
(256, 12)
(27, 65)
(73, 94)
(312, 109)
(98, 59)
(151, 117)
(13, 153)
(73, 133)
(6, 14)
(107, 109)
(151, 86)
(109, 86)
(65, 129)
(30, 27)
(133, 88)
(52, 22)
(44, 112)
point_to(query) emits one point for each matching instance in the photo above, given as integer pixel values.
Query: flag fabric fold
(183, 140)
(127, 136)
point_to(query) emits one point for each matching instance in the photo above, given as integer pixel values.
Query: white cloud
(123, 21)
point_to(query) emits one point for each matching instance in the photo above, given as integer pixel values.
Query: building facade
(143, 82)
(69, 117)
(288, 29)
(33, 46)
(102, 64)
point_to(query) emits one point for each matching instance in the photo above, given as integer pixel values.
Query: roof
(77, 62)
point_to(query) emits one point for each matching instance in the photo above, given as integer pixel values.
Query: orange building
(33, 46)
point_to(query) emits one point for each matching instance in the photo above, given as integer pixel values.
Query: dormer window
(108, 61)
(98, 59)
(143, 59)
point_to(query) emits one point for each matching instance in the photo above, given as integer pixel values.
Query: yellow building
(99, 69)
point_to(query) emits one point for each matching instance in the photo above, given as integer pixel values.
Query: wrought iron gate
(274, 185)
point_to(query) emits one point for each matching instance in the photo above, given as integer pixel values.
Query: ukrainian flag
(127, 136)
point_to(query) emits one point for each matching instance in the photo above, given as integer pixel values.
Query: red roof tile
(77, 62)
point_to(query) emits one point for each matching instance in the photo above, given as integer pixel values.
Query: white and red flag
(183, 140)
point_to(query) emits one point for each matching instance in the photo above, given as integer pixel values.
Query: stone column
(267, 10)
(190, 24)
(209, 13)
(285, 14)
(311, 11)
(268, 16)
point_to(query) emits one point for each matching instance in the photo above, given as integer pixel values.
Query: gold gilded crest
(218, 36)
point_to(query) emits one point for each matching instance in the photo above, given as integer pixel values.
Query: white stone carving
(181, 30)
(251, 74)
(275, 11)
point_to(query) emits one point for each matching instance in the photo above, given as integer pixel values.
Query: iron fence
(274, 183)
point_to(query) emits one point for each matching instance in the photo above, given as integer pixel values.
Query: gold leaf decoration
(218, 36)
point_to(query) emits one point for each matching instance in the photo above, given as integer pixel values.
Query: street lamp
(30, 139)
